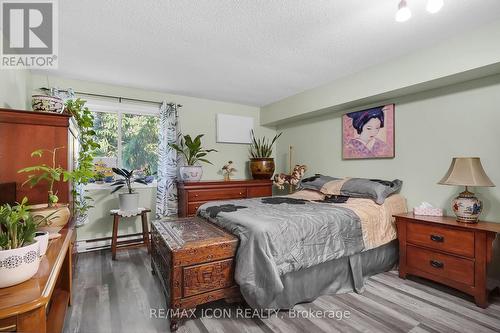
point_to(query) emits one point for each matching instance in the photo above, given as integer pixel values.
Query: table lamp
(466, 171)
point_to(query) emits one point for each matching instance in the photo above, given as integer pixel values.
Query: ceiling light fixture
(403, 14)
(433, 6)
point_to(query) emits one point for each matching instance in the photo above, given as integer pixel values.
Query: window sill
(107, 186)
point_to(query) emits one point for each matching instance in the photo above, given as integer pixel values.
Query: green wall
(195, 117)
(430, 129)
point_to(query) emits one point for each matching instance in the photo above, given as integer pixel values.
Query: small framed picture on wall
(368, 133)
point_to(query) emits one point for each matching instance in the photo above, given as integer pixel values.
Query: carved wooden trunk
(194, 260)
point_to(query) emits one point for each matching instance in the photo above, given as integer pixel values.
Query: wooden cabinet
(192, 195)
(194, 261)
(21, 133)
(446, 251)
(40, 304)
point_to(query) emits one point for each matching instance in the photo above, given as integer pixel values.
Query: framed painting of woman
(368, 133)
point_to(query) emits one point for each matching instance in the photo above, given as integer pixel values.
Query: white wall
(15, 89)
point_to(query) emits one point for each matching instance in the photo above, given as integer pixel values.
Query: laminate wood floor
(117, 296)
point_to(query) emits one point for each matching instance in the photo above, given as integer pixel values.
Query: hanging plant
(84, 170)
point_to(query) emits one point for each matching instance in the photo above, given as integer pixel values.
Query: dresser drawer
(454, 241)
(445, 266)
(193, 207)
(206, 277)
(217, 194)
(261, 191)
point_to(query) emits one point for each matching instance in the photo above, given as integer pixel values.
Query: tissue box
(428, 211)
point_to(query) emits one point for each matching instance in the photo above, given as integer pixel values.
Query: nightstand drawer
(443, 265)
(454, 241)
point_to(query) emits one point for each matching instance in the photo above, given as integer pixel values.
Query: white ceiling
(253, 52)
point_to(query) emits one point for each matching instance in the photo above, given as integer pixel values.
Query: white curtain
(166, 195)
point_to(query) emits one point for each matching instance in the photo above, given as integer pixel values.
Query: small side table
(453, 253)
(116, 245)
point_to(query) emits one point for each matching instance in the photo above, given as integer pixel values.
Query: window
(139, 142)
(128, 138)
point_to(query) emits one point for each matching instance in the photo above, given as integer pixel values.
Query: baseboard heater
(97, 244)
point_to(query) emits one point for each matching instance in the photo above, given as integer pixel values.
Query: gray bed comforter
(278, 238)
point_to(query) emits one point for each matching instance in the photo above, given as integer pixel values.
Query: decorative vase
(57, 219)
(129, 202)
(43, 239)
(191, 173)
(19, 265)
(262, 168)
(44, 103)
(467, 207)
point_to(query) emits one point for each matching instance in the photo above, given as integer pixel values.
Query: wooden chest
(194, 260)
(446, 251)
(192, 195)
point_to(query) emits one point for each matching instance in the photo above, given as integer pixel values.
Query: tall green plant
(85, 122)
(48, 173)
(262, 147)
(84, 170)
(192, 149)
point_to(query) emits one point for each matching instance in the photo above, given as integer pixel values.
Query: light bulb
(433, 6)
(403, 14)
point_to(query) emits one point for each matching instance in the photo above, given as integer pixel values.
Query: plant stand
(130, 243)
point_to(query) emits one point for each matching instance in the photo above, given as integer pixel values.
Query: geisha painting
(368, 133)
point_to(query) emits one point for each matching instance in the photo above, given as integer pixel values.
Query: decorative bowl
(44, 103)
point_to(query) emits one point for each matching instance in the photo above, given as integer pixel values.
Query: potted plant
(50, 174)
(193, 153)
(19, 250)
(99, 177)
(129, 201)
(261, 162)
(149, 175)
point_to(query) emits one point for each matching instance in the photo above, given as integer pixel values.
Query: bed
(293, 249)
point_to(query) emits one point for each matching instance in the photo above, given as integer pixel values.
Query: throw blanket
(282, 236)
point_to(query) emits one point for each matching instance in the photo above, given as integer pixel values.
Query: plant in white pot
(129, 201)
(193, 153)
(19, 250)
(49, 174)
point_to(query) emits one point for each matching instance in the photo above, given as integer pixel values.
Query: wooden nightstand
(446, 251)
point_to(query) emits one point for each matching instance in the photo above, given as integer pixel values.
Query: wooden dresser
(21, 133)
(39, 304)
(192, 195)
(446, 251)
(194, 260)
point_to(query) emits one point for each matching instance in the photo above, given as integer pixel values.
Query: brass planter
(262, 168)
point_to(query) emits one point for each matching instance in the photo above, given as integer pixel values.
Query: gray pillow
(375, 189)
(315, 182)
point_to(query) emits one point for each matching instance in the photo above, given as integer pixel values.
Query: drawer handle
(436, 264)
(437, 238)
(196, 195)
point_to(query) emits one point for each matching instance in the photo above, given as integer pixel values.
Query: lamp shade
(466, 171)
